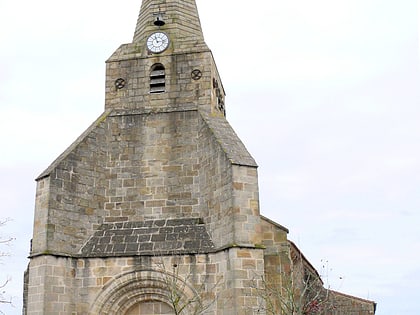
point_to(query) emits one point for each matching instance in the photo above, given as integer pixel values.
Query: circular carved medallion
(119, 83)
(196, 74)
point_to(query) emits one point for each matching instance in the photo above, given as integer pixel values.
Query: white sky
(325, 95)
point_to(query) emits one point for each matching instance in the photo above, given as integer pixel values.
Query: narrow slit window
(157, 79)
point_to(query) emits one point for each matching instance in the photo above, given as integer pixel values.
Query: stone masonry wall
(350, 305)
(41, 228)
(138, 167)
(277, 250)
(215, 188)
(127, 168)
(246, 209)
(51, 285)
(182, 92)
(71, 286)
(75, 195)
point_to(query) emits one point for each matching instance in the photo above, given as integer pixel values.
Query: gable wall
(140, 167)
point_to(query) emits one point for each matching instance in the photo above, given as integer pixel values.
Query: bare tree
(188, 292)
(4, 242)
(297, 290)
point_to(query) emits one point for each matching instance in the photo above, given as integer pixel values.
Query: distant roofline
(305, 260)
(353, 297)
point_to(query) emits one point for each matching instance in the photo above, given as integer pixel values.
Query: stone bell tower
(154, 208)
(168, 66)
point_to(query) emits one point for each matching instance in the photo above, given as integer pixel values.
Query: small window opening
(157, 79)
(220, 97)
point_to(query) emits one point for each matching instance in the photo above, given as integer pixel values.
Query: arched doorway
(142, 293)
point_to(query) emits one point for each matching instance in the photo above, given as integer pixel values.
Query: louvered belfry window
(157, 78)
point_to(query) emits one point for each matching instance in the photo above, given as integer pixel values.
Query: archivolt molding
(139, 286)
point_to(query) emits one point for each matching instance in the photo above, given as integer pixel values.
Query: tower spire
(181, 21)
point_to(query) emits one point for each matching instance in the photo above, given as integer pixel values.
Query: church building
(154, 209)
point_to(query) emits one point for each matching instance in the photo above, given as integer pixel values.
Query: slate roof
(229, 141)
(152, 237)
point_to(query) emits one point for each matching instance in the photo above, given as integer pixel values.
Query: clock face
(157, 42)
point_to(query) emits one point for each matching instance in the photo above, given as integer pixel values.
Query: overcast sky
(324, 94)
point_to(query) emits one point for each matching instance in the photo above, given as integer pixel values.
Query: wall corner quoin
(41, 215)
(246, 205)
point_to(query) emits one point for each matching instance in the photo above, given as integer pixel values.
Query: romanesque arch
(134, 290)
